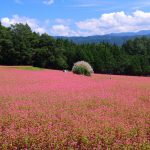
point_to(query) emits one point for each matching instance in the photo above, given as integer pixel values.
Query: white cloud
(62, 30)
(5, 21)
(116, 22)
(33, 23)
(107, 23)
(63, 21)
(48, 2)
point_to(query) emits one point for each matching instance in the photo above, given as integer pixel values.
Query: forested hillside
(20, 46)
(113, 38)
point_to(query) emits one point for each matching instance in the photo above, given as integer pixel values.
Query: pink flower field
(53, 110)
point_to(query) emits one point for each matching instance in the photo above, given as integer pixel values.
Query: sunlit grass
(28, 68)
(22, 67)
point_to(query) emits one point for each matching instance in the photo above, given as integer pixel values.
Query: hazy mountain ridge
(113, 38)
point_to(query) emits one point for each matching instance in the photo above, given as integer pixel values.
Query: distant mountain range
(113, 38)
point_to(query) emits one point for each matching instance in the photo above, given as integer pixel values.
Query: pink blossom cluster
(49, 109)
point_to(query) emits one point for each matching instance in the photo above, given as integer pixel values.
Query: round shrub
(82, 67)
(81, 70)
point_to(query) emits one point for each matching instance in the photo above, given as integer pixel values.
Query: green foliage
(82, 67)
(81, 70)
(20, 46)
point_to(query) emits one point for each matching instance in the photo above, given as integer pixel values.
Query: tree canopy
(19, 45)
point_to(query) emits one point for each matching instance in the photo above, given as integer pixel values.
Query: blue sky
(78, 17)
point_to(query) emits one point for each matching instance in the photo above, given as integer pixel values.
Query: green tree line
(19, 45)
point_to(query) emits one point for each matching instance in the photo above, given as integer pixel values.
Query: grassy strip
(28, 68)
